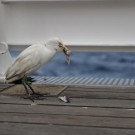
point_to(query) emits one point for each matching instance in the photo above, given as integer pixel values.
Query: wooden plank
(83, 115)
(100, 95)
(67, 110)
(103, 89)
(88, 121)
(104, 103)
(5, 86)
(36, 129)
(42, 88)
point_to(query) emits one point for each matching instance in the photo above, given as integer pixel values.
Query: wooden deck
(92, 111)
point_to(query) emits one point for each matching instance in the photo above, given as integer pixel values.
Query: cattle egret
(31, 59)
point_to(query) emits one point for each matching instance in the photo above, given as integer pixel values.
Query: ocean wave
(90, 64)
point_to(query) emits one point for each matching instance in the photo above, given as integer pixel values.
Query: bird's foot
(39, 94)
(29, 97)
(35, 96)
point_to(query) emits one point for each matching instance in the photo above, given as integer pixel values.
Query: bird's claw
(39, 94)
(34, 96)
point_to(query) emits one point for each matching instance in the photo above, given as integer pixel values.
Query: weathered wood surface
(95, 111)
(50, 90)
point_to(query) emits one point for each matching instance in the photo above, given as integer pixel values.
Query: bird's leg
(28, 96)
(23, 82)
(34, 94)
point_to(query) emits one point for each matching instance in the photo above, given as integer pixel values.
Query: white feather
(31, 59)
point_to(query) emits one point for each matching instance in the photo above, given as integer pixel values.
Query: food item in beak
(68, 53)
(68, 59)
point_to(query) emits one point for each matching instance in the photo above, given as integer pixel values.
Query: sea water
(93, 64)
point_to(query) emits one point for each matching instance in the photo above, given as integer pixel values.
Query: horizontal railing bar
(9, 1)
(86, 47)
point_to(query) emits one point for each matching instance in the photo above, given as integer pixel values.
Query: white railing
(83, 25)
(88, 48)
(9, 1)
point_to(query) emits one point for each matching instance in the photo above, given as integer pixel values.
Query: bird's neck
(52, 48)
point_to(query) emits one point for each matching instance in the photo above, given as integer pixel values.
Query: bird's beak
(67, 52)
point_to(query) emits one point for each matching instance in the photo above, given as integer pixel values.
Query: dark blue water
(116, 65)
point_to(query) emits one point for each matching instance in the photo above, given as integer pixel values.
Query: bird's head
(57, 44)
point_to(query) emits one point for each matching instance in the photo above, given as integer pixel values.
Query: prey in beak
(66, 51)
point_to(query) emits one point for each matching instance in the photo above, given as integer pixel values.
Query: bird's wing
(26, 62)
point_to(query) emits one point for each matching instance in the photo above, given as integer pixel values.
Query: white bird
(32, 58)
